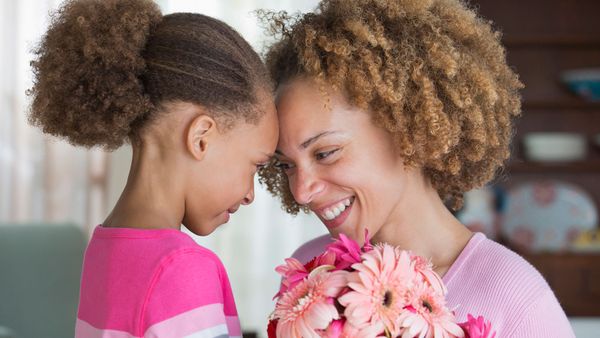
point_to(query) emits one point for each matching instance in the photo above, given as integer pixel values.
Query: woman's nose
(305, 186)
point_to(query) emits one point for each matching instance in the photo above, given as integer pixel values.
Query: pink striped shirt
(153, 283)
(488, 279)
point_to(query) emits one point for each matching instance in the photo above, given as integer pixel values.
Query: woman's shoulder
(487, 272)
(491, 280)
(489, 262)
(519, 288)
(312, 248)
(509, 263)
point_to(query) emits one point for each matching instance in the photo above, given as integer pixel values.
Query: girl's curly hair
(431, 72)
(105, 68)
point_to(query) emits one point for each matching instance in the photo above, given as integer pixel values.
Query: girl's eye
(325, 154)
(283, 166)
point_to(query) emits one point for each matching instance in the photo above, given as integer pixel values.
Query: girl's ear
(200, 133)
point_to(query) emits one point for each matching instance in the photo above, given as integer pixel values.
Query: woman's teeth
(335, 210)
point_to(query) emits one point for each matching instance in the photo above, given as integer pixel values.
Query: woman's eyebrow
(313, 139)
(309, 141)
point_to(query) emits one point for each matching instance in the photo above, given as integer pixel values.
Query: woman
(389, 111)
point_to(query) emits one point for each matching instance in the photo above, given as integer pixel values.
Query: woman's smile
(335, 213)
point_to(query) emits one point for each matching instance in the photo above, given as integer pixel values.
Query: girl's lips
(228, 213)
(227, 217)
(339, 220)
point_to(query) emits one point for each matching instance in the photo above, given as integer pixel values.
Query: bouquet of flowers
(369, 291)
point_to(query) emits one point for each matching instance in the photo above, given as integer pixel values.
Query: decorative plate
(547, 215)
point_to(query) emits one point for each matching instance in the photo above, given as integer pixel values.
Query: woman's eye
(325, 154)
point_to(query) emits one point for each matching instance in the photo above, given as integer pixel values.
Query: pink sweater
(490, 280)
(153, 283)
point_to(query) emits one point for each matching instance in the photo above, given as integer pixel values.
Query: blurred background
(543, 205)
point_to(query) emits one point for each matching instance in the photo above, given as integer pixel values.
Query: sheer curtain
(41, 179)
(46, 180)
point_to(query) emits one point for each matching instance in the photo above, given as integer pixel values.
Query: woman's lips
(339, 220)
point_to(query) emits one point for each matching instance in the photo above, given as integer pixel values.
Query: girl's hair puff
(105, 68)
(432, 73)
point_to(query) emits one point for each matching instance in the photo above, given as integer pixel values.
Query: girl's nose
(249, 198)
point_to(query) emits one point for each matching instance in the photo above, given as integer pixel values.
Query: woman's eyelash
(319, 156)
(325, 154)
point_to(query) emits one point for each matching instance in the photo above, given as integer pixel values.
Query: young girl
(195, 102)
(388, 109)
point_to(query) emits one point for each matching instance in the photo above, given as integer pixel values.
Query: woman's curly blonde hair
(431, 72)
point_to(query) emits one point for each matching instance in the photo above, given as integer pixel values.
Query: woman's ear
(201, 132)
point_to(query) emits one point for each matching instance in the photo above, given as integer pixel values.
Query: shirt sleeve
(545, 318)
(187, 298)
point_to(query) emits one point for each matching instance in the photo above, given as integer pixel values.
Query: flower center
(304, 299)
(387, 299)
(427, 305)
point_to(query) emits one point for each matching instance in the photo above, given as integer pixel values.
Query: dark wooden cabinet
(544, 38)
(575, 279)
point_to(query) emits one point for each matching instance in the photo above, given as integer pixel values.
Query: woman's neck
(422, 223)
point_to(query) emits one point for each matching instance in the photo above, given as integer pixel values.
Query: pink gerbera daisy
(340, 328)
(477, 328)
(378, 290)
(293, 272)
(425, 269)
(309, 306)
(346, 250)
(426, 315)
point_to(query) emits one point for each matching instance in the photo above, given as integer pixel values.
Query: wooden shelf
(590, 166)
(575, 279)
(579, 104)
(543, 38)
(574, 42)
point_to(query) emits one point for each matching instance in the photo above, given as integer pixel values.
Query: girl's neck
(153, 196)
(422, 223)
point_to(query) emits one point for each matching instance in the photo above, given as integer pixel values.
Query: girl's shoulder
(151, 256)
(160, 245)
(190, 287)
(150, 277)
